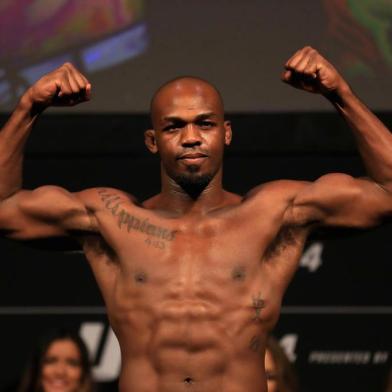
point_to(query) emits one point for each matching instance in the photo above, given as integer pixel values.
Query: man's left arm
(338, 199)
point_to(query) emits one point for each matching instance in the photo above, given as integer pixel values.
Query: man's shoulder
(277, 190)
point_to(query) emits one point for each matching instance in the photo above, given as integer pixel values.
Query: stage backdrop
(127, 48)
(336, 318)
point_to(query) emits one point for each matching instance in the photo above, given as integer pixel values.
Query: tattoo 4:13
(155, 243)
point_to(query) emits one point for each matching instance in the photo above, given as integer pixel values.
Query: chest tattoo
(125, 220)
(258, 304)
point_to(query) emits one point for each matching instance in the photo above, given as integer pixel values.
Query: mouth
(57, 385)
(192, 158)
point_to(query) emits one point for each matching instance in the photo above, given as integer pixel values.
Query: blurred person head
(59, 363)
(278, 369)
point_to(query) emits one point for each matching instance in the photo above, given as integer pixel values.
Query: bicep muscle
(45, 212)
(341, 200)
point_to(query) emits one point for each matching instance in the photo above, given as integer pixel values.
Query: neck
(176, 199)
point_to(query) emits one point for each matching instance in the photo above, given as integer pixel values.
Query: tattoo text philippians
(130, 222)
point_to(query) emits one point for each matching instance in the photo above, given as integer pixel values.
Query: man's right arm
(47, 211)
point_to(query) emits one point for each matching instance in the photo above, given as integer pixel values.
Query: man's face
(189, 131)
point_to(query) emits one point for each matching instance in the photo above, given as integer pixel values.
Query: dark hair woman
(59, 363)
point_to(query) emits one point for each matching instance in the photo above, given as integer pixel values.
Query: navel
(188, 381)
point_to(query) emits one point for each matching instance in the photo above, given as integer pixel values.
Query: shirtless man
(193, 278)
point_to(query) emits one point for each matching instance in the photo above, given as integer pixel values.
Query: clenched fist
(309, 71)
(65, 86)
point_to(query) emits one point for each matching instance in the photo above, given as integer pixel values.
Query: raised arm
(47, 211)
(338, 199)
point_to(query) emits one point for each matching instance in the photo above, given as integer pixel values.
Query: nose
(190, 136)
(60, 369)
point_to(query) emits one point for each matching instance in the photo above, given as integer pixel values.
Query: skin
(61, 368)
(270, 371)
(193, 278)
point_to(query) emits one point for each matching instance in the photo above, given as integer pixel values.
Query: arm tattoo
(112, 203)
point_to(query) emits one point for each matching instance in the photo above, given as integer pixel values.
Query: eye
(49, 360)
(175, 126)
(206, 124)
(170, 128)
(74, 362)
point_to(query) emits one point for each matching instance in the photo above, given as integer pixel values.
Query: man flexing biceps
(193, 277)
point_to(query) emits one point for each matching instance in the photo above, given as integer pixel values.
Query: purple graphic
(37, 36)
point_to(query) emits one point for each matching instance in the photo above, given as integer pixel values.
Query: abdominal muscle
(190, 346)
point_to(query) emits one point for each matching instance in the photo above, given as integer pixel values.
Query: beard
(192, 182)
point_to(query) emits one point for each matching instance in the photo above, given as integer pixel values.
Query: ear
(228, 132)
(150, 140)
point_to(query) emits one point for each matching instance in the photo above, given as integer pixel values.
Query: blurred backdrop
(336, 319)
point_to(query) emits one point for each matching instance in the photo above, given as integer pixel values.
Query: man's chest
(194, 250)
(189, 256)
(232, 232)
